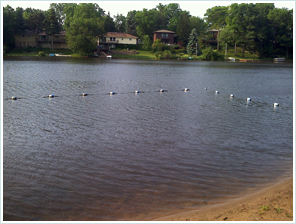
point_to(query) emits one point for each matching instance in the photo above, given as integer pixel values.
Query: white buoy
(51, 96)
(249, 99)
(186, 89)
(217, 92)
(231, 95)
(137, 91)
(14, 98)
(84, 94)
(206, 88)
(111, 93)
(161, 90)
(276, 104)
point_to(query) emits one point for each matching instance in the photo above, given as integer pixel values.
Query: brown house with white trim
(30, 38)
(165, 36)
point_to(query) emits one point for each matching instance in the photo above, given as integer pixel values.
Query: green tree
(51, 24)
(145, 22)
(192, 47)
(9, 24)
(241, 20)
(109, 24)
(131, 23)
(198, 24)
(20, 21)
(216, 18)
(85, 27)
(263, 29)
(146, 43)
(282, 25)
(34, 19)
(173, 13)
(120, 23)
(183, 28)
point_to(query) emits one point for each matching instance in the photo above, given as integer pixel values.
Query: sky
(196, 8)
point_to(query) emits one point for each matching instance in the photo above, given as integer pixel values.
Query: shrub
(41, 54)
(211, 55)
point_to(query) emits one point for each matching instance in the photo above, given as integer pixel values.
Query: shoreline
(272, 203)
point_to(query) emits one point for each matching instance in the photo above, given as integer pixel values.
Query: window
(112, 38)
(165, 35)
(130, 39)
(23, 35)
(121, 38)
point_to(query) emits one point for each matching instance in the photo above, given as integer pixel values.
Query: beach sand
(274, 203)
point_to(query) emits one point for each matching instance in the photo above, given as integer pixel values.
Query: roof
(118, 34)
(163, 31)
(62, 33)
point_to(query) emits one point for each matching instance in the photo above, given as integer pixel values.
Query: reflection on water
(137, 156)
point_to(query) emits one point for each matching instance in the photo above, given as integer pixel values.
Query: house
(41, 39)
(213, 35)
(59, 40)
(26, 39)
(165, 36)
(111, 39)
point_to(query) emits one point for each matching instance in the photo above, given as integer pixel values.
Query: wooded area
(259, 27)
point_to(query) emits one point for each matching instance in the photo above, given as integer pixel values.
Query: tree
(147, 42)
(109, 24)
(192, 47)
(85, 27)
(145, 22)
(120, 23)
(282, 25)
(216, 18)
(34, 19)
(183, 28)
(51, 24)
(241, 20)
(198, 24)
(9, 24)
(19, 21)
(131, 23)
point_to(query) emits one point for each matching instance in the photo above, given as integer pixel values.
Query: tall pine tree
(192, 47)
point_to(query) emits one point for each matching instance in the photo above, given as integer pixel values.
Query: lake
(140, 156)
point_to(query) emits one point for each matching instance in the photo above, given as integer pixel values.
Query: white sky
(196, 8)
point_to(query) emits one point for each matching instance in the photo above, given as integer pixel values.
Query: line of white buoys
(161, 90)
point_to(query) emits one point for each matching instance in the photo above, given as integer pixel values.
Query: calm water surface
(139, 156)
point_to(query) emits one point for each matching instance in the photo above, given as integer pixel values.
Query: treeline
(260, 27)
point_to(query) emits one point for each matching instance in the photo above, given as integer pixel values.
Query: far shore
(273, 203)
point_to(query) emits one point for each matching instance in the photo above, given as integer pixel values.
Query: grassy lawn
(35, 52)
(141, 55)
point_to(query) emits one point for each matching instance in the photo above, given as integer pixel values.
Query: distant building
(59, 40)
(26, 39)
(213, 35)
(165, 36)
(30, 38)
(111, 39)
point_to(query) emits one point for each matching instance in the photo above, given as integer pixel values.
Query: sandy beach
(274, 203)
